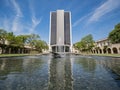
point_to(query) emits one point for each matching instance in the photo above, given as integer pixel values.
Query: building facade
(60, 39)
(105, 47)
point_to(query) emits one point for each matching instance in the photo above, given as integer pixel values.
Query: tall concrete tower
(60, 39)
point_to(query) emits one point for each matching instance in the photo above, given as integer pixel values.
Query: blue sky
(96, 17)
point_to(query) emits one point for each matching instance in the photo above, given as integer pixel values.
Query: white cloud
(14, 23)
(17, 27)
(99, 12)
(35, 23)
(106, 7)
(17, 8)
(80, 20)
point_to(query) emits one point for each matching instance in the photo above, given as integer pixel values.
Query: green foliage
(85, 44)
(21, 40)
(114, 35)
(32, 38)
(3, 34)
(10, 37)
(40, 45)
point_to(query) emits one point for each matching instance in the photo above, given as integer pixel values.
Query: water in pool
(66, 73)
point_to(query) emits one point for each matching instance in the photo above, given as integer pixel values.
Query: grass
(15, 55)
(108, 55)
(12, 55)
(111, 55)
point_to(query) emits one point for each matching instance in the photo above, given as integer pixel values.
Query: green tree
(40, 45)
(22, 40)
(86, 43)
(114, 35)
(31, 40)
(10, 37)
(3, 35)
(80, 45)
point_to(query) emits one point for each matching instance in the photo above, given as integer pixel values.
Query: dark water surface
(68, 73)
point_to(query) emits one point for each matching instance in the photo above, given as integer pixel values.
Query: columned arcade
(105, 47)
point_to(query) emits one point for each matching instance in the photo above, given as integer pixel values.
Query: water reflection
(23, 73)
(68, 73)
(60, 75)
(88, 64)
(8, 66)
(112, 64)
(95, 73)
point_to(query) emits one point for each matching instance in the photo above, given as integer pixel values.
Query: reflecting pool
(67, 73)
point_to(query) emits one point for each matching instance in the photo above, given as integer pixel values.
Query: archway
(96, 51)
(109, 50)
(104, 50)
(100, 51)
(91, 51)
(115, 51)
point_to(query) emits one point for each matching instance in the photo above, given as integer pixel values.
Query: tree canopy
(3, 35)
(114, 35)
(40, 45)
(85, 44)
(32, 40)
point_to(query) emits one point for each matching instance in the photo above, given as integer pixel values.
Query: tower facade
(60, 31)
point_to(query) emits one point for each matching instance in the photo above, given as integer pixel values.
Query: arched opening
(115, 51)
(91, 51)
(100, 50)
(96, 51)
(104, 50)
(109, 50)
